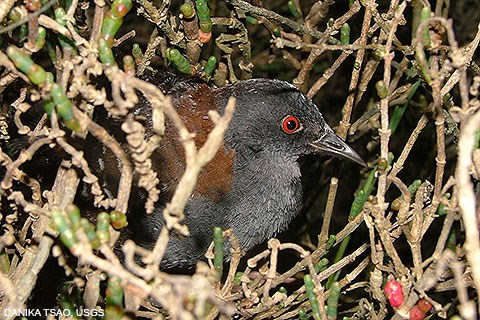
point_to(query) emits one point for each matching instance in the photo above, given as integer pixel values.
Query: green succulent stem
(425, 13)
(35, 73)
(114, 297)
(60, 223)
(112, 21)
(103, 223)
(182, 64)
(345, 34)
(118, 219)
(292, 7)
(210, 66)
(203, 13)
(218, 251)
(332, 301)
(312, 296)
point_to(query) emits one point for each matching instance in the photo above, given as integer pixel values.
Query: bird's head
(275, 117)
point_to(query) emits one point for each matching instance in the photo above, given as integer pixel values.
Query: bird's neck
(266, 194)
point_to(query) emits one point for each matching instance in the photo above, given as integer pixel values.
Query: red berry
(394, 291)
(424, 305)
(416, 313)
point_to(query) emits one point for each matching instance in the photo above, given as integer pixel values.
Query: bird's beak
(333, 145)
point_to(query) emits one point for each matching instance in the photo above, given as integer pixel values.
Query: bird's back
(192, 100)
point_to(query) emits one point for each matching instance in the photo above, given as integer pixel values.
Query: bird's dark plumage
(253, 183)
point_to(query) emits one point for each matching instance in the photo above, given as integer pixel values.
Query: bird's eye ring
(291, 124)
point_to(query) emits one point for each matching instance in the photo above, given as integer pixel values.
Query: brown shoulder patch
(216, 178)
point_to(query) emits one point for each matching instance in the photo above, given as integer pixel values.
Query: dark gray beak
(331, 144)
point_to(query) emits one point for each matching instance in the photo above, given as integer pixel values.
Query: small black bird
(253, 183)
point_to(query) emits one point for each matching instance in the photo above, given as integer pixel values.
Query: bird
(252, 185)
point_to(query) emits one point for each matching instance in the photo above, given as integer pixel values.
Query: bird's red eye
(291, 124)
